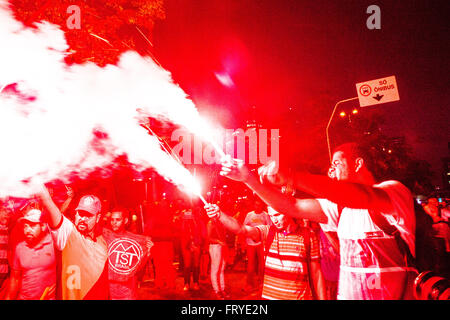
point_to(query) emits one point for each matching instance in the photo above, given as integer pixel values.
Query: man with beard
(34, 263)
(84, 273)
(292, 257)
(127, 254)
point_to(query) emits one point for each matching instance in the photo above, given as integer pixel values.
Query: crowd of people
(93, 254)
(436, 229)
(355, 238)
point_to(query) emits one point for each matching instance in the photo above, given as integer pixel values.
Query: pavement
(235, 286)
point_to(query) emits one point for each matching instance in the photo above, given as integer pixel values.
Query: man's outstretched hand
(40, 190)
(234, 169)
(269, 172)
(212, 211)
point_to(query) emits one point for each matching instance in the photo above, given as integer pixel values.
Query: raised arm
(318, 280)
(66, 204)
(54, 214)
(232, 224)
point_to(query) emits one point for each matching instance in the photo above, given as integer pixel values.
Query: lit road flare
(57, 119)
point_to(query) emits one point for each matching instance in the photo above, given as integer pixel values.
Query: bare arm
(318, 280)
(69, 199)
(148, 246)
(347, 194)
(298, 208)
(55, 215)
(14, 284)
(147, 252)
(344, 193)
(232, 224)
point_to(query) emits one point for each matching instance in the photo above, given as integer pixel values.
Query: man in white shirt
(373, 220)
(255, 249)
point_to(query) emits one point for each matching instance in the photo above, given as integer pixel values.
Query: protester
(432, 208)
(84, 273)
(192, 241)
(373, 220)
(127, 254)
(33, 273)
(162, 234)
(441, 238)
(255, 250)
(217, 250)
(329, 264)
(292, 256)
(367, 235)
(445, 211)
(205, 259)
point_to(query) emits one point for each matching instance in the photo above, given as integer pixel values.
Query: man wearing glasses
(84, 272)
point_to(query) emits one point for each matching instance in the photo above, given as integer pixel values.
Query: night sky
(293, 60)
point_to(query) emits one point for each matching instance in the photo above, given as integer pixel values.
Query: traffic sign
(377, 91)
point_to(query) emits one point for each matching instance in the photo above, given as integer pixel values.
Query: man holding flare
(374, 220)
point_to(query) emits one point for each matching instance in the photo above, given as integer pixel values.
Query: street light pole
(329, 122)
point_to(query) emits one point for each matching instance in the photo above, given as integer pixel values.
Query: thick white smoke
(46, 137)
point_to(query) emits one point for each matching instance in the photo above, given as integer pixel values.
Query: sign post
(377, 91)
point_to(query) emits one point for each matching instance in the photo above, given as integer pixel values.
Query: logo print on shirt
(124, 255)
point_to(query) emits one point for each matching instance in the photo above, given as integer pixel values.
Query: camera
(430, 286)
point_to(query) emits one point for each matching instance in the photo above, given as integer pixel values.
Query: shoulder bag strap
(391, 230)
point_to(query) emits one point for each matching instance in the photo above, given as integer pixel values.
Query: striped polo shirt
(286, 270)
(4, 266)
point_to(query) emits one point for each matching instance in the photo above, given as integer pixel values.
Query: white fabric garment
(372, 266)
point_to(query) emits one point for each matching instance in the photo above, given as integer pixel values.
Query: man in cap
(34, 263)
(84, 271)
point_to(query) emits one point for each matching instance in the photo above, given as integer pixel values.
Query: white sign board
(377, 91)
